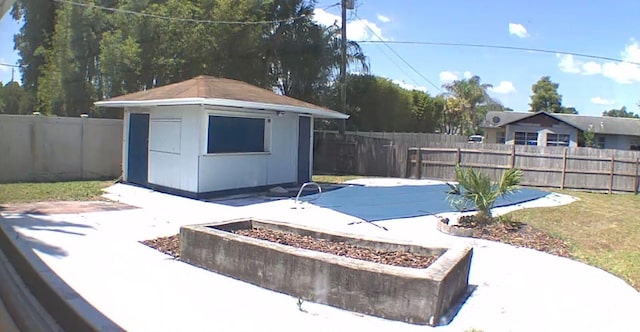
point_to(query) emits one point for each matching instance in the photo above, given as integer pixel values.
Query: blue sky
(604, 28)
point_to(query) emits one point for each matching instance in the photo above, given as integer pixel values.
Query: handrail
(297, 201)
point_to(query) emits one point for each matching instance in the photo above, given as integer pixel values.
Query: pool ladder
(298, 202)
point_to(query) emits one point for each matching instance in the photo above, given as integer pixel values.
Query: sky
(595, 27)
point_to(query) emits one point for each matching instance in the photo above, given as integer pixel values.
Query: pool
(372, 203)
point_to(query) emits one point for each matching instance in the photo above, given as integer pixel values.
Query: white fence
(41, 148)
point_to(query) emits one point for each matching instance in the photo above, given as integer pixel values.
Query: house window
(236, 134)
(525, 138)
(600, 142)
(500, 138)
(635, 144)
(557, 140)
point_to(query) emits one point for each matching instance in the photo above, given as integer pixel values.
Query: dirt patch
(63, 207)
(516, 234)
(171, 246)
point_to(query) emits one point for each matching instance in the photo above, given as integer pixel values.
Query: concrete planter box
(419, 296)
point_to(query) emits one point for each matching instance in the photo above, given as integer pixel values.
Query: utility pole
(343, 67)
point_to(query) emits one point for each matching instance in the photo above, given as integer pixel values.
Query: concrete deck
(96, 261)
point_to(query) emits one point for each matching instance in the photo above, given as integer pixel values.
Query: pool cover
(382, 203)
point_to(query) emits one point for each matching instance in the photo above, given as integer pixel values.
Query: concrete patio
(95, 260)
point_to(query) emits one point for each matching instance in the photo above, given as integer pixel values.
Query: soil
(516, 234)
(171, 246)
(505, 231)
(63, 207)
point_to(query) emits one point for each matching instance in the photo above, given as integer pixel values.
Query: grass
(603, 230)
(55, 191)
(335, 178)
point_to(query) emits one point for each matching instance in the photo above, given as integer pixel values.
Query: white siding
(173, 147)
(242, 170)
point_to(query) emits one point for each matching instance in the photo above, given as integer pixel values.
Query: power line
(10, 65)
(381, 40)
(504, 47)
(178, 19)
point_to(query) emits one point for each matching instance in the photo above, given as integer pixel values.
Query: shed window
(600, 142)
(526, 138)
(236, 134)
(635, 144)
(557, 140)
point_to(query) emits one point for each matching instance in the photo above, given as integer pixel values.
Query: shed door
(138, 154)
(304, 149)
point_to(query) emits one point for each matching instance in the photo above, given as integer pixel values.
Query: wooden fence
(370, 153)
(560, 167)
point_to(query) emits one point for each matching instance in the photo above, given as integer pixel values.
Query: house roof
(214, 91)
(598, 124)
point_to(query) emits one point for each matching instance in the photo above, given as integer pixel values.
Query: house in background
(208, 135)
(554, 129)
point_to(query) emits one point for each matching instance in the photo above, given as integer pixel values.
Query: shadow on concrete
(70, 310)
(15, 222)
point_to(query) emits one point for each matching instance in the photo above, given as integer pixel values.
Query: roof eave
(318, 113)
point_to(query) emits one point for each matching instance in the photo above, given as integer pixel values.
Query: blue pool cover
(382, 203)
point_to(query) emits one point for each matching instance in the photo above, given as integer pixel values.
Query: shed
(208, 135)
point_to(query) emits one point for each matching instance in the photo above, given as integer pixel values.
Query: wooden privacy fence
(561, 167)
(369, 153)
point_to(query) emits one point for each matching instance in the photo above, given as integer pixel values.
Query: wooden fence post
(458, 157)
(636, 183)
(564, 167)
(419, 163)
(613, 161)
(513, 155)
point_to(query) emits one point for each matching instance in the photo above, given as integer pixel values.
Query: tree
(462, 115)
(34, 39)
(621, 113)
(11, 98)
(475, 189)
(376, 103)
(545, 96)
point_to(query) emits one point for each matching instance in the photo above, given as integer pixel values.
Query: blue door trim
(138, 153)
(304, 149)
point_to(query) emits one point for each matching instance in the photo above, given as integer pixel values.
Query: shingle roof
(598, 124)
(214, 88)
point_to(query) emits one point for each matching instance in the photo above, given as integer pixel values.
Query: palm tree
(304, 56)
(469, 93)
(476, 189)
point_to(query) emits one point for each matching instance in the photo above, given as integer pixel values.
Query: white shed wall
(241, 170)
(173, 147)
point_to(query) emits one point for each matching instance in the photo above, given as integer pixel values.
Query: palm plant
(477, 190)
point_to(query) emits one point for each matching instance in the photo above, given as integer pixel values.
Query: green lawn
(335, 178)
(603, 229)
(55, 191)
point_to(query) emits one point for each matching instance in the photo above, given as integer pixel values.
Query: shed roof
(214, 91)
(598, 124)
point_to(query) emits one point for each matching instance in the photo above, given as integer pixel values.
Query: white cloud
(467, 74)
(383, 19)
(504, 87)
(602, 101)
(569, 64)
(448, 76)
(356, 30)
(518, 30)
(409, 86)
(621, 72)
(591, 68)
